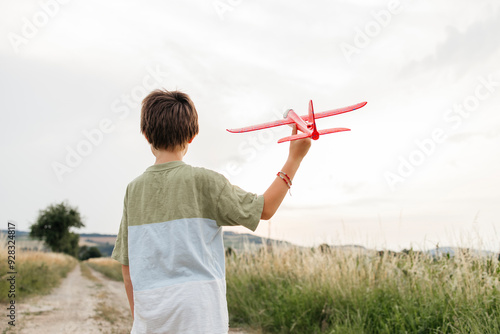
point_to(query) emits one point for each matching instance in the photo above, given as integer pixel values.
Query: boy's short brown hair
(168, 119)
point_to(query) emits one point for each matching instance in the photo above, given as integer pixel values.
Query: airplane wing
(335, 111)
(262, 126)
(305, 118)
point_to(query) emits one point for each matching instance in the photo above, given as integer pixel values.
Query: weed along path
(85, 302)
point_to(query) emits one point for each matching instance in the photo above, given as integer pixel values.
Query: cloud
(262, 58)
(461, 50)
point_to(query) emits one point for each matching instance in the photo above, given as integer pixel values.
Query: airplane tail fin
(294, 137)
(305, 135)
(315, 134)
(311, 112)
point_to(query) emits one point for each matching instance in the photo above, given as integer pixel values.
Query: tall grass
(37, 272)
(106, 266)
(292, 290)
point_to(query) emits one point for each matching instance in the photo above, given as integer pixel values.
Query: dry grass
(37, 272)
(104, 311)
(87, 273)
(107, 266)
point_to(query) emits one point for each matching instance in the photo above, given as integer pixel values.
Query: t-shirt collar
(166, 165)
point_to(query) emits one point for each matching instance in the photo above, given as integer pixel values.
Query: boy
(170, 238)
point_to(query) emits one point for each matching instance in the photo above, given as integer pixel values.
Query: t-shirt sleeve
(120, 252)
(238, 207)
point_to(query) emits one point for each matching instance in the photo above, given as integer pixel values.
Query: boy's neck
(164, 156)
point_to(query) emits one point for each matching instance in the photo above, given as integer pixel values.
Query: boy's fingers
(294, 129)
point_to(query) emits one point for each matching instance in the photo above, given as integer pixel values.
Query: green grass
(106, 266)
(37, 273)
(303, 291)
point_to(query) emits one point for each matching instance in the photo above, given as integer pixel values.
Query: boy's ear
(146, 138)
(191, 140)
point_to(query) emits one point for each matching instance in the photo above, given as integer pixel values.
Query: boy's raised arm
(275, 194)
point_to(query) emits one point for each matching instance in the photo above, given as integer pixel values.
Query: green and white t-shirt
(171, 237)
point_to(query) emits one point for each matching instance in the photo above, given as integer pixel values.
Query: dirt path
(81, 304)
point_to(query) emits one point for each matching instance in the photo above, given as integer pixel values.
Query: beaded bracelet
(287, 180)
(286, 175)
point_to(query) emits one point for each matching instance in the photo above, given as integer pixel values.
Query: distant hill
(106, 242)
(24, 242)
(23, 234)
(242, 241)
(91, 235)
(237, 241)
(451, 251)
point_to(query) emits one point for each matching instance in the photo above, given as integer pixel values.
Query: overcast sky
(419, 168)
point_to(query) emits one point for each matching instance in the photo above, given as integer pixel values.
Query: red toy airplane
(306, 123)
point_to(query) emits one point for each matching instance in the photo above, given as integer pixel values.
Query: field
(288, 289)
(100, 240)
(107, 266)
(37, 273)
(104, 242)
(292, 290)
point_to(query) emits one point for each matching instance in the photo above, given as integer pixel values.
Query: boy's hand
(276, 192)
(298, 148)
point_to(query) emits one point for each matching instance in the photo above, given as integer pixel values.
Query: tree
(86, 253)
(53, 225)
